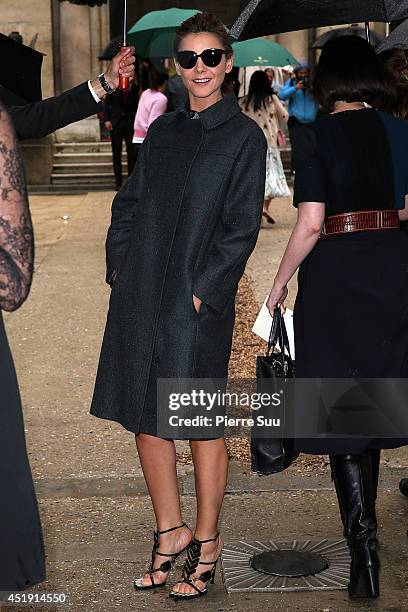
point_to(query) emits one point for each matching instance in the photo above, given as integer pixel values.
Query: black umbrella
(87, 2)
(263, 17)
(20, 72)
(111, 49)
(375, 38)
(398, 39)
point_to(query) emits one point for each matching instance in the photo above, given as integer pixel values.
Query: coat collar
(218, 113)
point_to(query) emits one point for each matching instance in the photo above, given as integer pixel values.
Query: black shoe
(164, 567)
(190, 565)
(403, 486)
(353, 478)
(268, 217)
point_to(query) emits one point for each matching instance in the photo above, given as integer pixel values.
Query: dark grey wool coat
(184, 223)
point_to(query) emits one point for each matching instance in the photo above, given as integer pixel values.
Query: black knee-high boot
(353, 478)
(403, 486)
(375, 463)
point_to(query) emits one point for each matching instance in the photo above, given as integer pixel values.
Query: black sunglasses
(210, 57)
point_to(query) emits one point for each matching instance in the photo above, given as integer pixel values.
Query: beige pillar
(84, 33)
(99, 35)
(76, 65)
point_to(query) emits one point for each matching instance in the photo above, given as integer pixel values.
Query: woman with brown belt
(352, 304)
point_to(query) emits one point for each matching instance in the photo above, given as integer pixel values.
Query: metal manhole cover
(290, 563)
(239, 575)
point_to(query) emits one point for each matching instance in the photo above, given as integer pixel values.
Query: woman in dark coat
(352, 303)
(21, 543)
(182, 230)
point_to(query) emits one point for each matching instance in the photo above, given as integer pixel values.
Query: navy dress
(22, 562)
(351, 310)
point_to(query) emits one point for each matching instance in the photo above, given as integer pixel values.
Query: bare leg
(158, 461)
(210, 459)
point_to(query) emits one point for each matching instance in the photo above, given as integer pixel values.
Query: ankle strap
(173, 528)
(209, 540)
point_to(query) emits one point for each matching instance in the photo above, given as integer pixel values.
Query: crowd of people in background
(264, 107)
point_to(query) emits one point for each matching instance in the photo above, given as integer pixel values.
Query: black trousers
(294, 126)
(122, 131)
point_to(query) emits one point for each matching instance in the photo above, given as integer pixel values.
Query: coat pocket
(200, 312)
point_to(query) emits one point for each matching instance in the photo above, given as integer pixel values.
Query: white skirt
(275, 185)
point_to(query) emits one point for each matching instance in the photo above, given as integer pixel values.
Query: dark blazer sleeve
(123, 209)
(217, 276)
(41, 118)
(107, 106)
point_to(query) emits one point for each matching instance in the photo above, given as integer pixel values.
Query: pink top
(152, 104)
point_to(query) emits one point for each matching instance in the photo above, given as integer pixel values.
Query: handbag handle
(278, 335)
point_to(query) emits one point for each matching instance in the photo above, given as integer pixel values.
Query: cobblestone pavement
(96, 514)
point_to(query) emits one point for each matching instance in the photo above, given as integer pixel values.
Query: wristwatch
(105, 84)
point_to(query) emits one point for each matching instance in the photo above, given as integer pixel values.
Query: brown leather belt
(361, 221)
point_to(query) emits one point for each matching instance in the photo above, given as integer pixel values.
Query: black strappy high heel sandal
(190, 565)
(165, 566)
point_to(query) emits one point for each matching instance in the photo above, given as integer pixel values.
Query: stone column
(76, 65)
(81, 42)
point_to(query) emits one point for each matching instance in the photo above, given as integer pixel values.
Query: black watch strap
(105, 84)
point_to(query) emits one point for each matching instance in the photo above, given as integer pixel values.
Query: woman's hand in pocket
(197, 303)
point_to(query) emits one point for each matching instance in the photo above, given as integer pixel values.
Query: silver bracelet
(105, 84)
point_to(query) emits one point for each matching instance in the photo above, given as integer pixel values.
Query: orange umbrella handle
(124, 81)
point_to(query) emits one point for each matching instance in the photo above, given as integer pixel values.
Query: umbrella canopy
(111, 49)
(87, 2)
(375, 38)
(261, 52)
(263, 17)
(398, 39)
(20, 70)
(153, 34)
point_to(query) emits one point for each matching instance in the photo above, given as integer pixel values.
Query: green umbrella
(262, 52)
(153, 34)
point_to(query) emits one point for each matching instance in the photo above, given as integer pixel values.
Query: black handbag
(273, 455)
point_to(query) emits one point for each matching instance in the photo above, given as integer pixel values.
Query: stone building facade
(72, 36)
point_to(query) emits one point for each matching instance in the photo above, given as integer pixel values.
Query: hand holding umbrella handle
(124, 81)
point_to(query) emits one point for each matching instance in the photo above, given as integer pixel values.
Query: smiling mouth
(201, 81)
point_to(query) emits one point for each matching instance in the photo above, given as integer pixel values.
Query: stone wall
(84, 31)
(38, 157)
(30, 18)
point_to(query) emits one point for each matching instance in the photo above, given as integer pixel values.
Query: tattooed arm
(16, 233)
